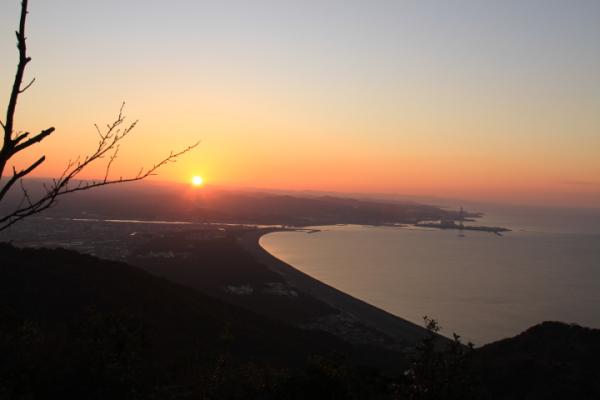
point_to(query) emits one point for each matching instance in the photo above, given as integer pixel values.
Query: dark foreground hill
(74, 326)
(551, 360)
(234, 268)
(77, 327)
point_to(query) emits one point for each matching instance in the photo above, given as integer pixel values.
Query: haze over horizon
(475, 100)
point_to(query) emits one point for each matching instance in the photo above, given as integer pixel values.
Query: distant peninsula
(441, 225)
(171, 202)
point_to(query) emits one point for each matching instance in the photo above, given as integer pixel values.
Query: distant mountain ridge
(209, 204)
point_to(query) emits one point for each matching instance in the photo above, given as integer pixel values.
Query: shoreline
(397, 328)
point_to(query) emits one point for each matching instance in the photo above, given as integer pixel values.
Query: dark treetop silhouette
(15, 142)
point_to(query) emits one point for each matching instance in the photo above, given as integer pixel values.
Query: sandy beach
(400, 330)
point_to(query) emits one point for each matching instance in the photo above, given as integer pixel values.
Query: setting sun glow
(197, 180)
(426, 99)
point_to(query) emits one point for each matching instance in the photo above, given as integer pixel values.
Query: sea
(479, 285)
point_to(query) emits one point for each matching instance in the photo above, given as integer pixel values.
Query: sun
(197, 180)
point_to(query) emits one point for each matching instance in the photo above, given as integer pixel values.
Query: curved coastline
(397, 328)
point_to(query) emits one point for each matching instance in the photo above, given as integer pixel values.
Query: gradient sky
(485, 100)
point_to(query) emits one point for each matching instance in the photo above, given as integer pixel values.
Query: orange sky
(450, 107)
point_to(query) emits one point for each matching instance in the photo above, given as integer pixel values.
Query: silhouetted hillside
(220, 268)
(180, 202)
(551, 360)
(74, 326)
(224, 268)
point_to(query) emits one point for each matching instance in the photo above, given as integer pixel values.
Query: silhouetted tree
(440, 371)
(15, 142)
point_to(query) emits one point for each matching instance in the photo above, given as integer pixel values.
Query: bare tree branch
(36, 139)
(60, 186)
(20, 137)
(23, 61)
(12, 146)
(108, 145)
(25, 193)
(19, 175)
(27, 87)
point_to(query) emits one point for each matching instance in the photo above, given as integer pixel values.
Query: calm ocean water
(481, 286)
